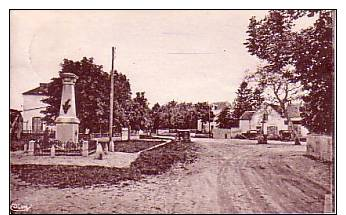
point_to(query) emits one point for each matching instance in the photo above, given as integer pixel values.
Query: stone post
(31, 147)
(124, 134)
(67, 124)
(52, 151)
(99, 151)
(106, 148)
(25, 148)
(111, 146)
(85, 148)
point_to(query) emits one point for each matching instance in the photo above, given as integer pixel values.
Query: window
(37, 125)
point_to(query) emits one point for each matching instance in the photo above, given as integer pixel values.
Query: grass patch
(160, 159)
(134, 145)
(155, 161)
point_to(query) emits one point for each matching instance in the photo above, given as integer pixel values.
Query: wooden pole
(111, 98)
(209, 120)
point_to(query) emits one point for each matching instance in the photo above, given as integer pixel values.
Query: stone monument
(67, 123)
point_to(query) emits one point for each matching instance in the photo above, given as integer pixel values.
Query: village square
(145, 122)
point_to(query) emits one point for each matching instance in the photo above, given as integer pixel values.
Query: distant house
(252, 120)
(32, 107)
(216, 108)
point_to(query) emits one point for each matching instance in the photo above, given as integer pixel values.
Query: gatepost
(85, 148)
(31, 147)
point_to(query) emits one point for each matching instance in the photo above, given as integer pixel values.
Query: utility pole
(111, 143)
(209, 118)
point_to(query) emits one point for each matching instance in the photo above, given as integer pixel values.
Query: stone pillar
(111, 146)
(99, 151)
(124, 134)
(52, 151)
(25, 148)
(31, 147)
(67, 124)
(106, 148)
(85, 148)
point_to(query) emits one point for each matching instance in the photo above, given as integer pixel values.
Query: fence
(42, 148)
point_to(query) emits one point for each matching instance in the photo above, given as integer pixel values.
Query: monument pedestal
(67, 129)
(67, 124)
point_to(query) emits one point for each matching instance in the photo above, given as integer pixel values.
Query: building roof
(218, 106)
(247, 115)
(292, 109)
(41, 90)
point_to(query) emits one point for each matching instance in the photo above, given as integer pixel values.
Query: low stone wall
(320, 147)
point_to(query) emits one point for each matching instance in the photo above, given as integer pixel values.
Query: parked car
(285, 135)
(251, 134)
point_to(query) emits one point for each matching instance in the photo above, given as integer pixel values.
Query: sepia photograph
(172, 111)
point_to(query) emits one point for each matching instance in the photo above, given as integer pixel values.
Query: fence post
(52, 151)
(106, 148)
(99, 151)
(25, 148)
(31, 147)
(85, 148)
(111, 146)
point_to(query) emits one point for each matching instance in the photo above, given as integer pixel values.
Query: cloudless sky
(182, 55)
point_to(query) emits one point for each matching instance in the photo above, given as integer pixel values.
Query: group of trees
(92, 98)
(180, 115)
(298, 64)
(92, 102)
(298, 67)
(247, 99)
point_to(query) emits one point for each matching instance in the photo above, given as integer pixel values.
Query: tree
(138, 112)
(243, 102)
(156, 116)
(282, 91)
(92, 94)
(204, 112)
(224, 118)
(272, 40)
(314, 60)
(309, 51)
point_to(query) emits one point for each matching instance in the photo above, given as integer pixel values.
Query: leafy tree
(92, 94)
(314, 60)
(309, 51)
(156, 116)
(204, 112)
(138, 112)
(243, 102)
(224, 119)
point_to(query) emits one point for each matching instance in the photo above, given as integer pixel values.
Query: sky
(186, 56)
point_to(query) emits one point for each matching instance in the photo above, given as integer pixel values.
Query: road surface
(229, 176)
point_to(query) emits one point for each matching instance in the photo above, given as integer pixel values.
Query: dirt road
(229, 176)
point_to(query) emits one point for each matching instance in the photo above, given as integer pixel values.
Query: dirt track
(229, 176)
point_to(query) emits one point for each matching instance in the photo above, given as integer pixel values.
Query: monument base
(67, 132)
(67, 129)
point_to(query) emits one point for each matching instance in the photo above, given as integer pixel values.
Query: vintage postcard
(172, 111)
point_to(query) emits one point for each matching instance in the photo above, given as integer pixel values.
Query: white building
(252, 120)
(32, 106)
